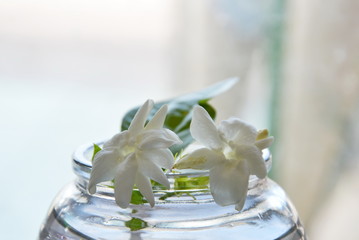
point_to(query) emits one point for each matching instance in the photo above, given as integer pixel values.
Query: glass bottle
(186, 211)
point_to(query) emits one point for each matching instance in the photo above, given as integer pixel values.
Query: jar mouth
(82, 163)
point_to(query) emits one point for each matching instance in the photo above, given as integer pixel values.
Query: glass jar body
(178, 214)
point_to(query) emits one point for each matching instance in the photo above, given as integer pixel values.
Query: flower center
(127, 149)
(229, 153)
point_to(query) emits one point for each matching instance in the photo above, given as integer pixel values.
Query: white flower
(135, 156)
(232, 154)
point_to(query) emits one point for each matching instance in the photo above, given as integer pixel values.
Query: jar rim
(82, 165)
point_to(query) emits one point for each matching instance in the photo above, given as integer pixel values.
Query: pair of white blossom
(232, 152)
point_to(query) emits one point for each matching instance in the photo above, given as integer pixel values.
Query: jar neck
(180, 181)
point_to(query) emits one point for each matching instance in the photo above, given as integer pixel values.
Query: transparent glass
(186, 211)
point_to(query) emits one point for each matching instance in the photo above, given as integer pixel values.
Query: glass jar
(186, 211)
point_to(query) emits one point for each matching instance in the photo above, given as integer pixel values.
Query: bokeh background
(69, 70)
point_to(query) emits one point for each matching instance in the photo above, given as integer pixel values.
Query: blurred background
(69, 70)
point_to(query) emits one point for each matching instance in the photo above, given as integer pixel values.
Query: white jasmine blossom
(135, 156)
(233, 152)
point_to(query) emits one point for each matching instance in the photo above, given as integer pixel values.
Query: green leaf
(185, 183)
(96, 149)
(136, 224)
(137, 198)
(180, 111)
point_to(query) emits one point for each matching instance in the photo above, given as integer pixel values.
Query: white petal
(158, 138)
(204, 130)
(144, 185)
(154, 172)
(203, 158)
(124, 181)
(103, 168)
(239, 206)
(138, 121)
(264, 143)
(161, 157)
(117, 141)
(254, 158)
(158, 119)
(229, 182)
(237, 131)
